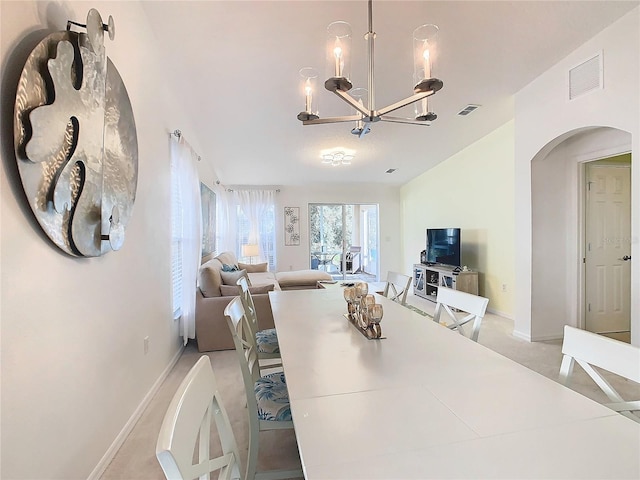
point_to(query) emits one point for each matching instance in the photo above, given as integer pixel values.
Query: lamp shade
(309, 89)
(424, 50)
(250, 250)
(339, 49)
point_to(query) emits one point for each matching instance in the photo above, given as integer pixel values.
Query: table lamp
(250, 250)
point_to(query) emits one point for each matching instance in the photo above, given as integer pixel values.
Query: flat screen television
(443, 246)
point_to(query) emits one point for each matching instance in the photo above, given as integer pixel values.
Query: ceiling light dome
(337, 158)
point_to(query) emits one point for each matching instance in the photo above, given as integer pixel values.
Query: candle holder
(363, 311)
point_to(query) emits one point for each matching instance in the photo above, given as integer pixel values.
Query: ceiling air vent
(468, 109)
(585, 77)
(391, 170)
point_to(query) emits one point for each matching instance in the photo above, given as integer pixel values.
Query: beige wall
(544, 119)
(74, 372)
(472, 190)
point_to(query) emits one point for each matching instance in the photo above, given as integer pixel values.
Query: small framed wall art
(292, 226)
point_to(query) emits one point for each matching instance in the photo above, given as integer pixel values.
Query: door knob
(626, 257)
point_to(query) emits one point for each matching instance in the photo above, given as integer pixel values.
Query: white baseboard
(126, 430)
(537, 338)
(499, 313)
(546, 338)
(521, 335)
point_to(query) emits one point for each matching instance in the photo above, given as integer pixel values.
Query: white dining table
(426, 402)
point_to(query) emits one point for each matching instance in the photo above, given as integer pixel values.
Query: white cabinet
(427, 279)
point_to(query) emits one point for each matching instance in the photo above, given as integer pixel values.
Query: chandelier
(339, 43)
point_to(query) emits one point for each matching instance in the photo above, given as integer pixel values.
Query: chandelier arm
(408, 121)
(405, 102)
(318, 121)
(351, 101)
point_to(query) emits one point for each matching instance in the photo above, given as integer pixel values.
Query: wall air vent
(391, 170)
(468, 109)
(586, 77)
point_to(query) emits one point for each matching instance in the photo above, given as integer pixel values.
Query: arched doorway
(557, 268)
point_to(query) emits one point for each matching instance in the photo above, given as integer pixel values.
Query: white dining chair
(461, 308)
(592, 350)
(187, 427)
(267, 396)
(266, 340)
(397, 287)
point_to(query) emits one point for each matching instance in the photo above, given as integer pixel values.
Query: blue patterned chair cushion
(267, 341)
(273, 398)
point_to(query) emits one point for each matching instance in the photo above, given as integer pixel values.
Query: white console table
(427, 279)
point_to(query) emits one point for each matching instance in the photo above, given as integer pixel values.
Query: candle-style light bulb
(337, 53)
(307, 91)
(425, 48)
(427, 62)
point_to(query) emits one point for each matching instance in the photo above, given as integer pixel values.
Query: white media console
(427, 279)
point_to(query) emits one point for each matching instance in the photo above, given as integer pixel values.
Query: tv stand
(428, 278)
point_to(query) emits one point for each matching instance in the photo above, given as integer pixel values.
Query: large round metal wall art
(75, 141)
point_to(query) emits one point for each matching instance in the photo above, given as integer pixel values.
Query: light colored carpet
(136, 458)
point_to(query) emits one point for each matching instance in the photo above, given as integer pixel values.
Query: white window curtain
(186, 236)
(248, 217)
(226, 225)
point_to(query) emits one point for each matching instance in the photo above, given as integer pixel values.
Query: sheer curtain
(248, 217)
(226, 225)
(187, 235)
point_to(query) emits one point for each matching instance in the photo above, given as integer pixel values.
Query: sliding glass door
(344, 240)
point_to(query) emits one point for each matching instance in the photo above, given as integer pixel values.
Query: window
(255, 223)
(186, 236)
(266, 229)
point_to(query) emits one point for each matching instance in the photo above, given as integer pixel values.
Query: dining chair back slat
(592, 350)
(450, 300)
(188, 422)
(397, 287)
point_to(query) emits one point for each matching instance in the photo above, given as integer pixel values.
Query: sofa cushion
(206, 258)
(231, 278)
(254, 267)
(230, 268)
(227, 257)
(232, 290)
(209, 278)
(301, 277)
(264, 278)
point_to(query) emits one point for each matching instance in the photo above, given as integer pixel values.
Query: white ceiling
(236, 63)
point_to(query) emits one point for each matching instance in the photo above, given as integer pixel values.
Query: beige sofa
(216, 288)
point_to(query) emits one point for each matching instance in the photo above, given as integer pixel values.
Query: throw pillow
(254, 267)
(228, 290)
(229, 268)
(230, 278)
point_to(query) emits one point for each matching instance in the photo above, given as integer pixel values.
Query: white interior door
(608, 248)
